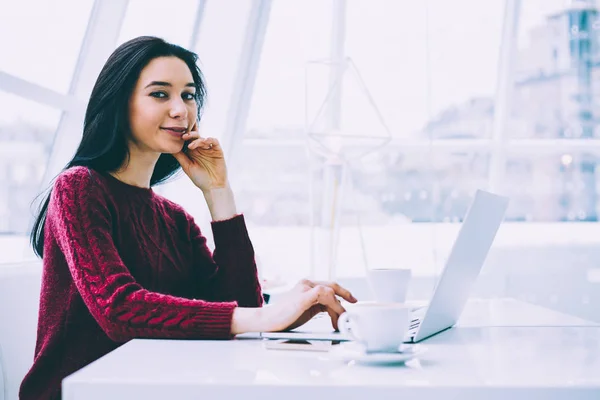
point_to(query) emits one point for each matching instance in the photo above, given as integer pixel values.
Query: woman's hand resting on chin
(203, 161)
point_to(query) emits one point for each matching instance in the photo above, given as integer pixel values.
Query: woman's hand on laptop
(298, 306)
(304, 301)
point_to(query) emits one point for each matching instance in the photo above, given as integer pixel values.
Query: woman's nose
(178, 109)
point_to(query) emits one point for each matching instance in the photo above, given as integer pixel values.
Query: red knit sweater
(121, 262)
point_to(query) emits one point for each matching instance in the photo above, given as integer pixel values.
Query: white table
(508, 312)
(559, 360)
(2, 394)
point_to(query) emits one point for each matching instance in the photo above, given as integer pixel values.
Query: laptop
(463, 265)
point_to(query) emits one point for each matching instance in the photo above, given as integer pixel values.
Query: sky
(415, 58)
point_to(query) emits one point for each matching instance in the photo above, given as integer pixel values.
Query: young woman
(121, 262)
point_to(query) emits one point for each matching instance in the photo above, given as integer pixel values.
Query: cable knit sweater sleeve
(79, 218)
(230, 272)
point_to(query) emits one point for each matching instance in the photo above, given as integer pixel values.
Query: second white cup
(389, 285)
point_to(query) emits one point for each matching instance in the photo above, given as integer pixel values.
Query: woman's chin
(172, 148)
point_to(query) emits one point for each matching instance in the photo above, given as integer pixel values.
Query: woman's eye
(159, 95)
(189, 96)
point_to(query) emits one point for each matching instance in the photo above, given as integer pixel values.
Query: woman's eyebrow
(163, 83)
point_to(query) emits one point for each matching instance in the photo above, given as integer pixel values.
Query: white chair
(19, 305)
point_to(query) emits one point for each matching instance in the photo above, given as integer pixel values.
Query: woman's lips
(173, 132)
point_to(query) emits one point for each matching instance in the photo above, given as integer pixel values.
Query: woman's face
(162, 106)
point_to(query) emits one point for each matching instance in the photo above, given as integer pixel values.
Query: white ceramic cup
(389, 285)
(379, 327)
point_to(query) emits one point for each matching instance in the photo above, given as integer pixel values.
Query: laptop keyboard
(414, 323)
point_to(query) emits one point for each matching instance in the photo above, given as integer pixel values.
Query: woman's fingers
(325, 296)
(202, 143)
(334, 318)
(196, 143)
(205, 143)
(320, 295)
(191, 135)
(339, 290)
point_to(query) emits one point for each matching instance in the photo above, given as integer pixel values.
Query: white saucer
(352, 351)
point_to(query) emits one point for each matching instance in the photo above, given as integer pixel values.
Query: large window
(40, 48)
(460, 118)
(418, 72)
(25, 146)
(554, 106)
(159, 18)
(219, 45)
(41, 40)
(443, 97)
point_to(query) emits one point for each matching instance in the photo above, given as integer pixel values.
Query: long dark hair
(106, 128)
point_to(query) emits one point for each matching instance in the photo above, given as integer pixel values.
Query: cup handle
(348, 328)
